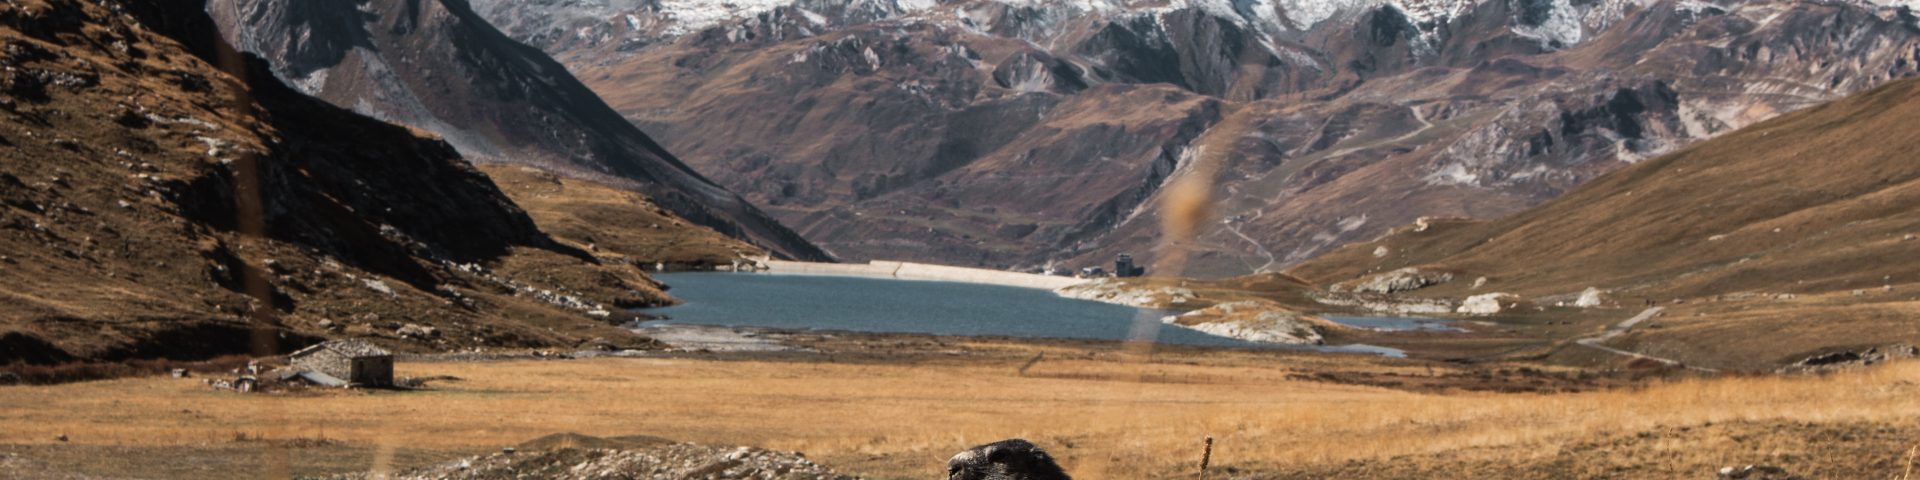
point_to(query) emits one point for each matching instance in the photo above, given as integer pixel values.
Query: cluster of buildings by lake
(1123, 267)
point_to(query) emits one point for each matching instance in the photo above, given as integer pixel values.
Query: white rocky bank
(1251, 321)
(1122, 293)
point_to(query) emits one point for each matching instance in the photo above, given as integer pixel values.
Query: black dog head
(1013, 459)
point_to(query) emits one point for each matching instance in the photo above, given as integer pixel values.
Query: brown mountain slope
(615, 223)
(437, 66)
(1784, 238)
(162, 196)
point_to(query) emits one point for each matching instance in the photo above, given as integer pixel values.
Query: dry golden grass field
(1106, 415)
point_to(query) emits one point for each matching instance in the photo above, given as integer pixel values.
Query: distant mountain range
(1021, 133)
(437, 66)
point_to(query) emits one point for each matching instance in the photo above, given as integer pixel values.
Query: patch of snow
(815, 18)
(1352, 223)
(1307, 13)
(694, 15)
(1296, 57)
(1433, 11)
(916, 5)
(1561, 29)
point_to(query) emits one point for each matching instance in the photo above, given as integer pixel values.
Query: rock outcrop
(1402, 280)
(1253, 321)
(1845, 359)
(1590, 298)
(672, 461)
(1120, 292)
(1488, 304)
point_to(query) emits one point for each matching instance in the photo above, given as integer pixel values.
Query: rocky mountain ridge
(1024, 134)
(164, 196)
(437, 66)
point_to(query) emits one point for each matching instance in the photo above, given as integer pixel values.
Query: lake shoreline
(923, 272)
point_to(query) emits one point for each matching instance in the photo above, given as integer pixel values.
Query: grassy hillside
(615, 223)
(1799, 230)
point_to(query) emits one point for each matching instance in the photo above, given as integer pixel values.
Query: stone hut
(352, 362)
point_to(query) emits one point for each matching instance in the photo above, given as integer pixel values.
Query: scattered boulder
(1489, 304)
(417, 331)
(1380, 251)
(378, 286)
(1479, 282)
(1402, 280)
(683, 460)
(1849, 359)
(599, 344)
(1590, 298)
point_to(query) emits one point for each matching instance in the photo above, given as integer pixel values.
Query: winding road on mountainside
(1234, 228)
(1232, 223)
(1598, 342)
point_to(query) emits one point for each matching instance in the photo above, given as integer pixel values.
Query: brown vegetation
(1770, 244)
(1105, 415)
(615, 224)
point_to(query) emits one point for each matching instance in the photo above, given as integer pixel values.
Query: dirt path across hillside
(1599, 342)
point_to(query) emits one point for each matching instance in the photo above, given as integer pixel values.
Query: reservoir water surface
(805, 302)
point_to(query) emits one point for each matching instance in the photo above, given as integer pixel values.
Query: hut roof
(349, 348)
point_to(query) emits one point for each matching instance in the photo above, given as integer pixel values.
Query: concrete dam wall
(922, 271)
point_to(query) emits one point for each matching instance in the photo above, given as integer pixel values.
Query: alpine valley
(1027, 133)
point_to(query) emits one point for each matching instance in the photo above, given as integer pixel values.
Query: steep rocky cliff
(162, 195)
(1024, 133)
(437, 66)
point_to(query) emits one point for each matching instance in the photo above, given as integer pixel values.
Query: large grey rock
(1488, 304)
(1590, 298)
(1402, 280)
